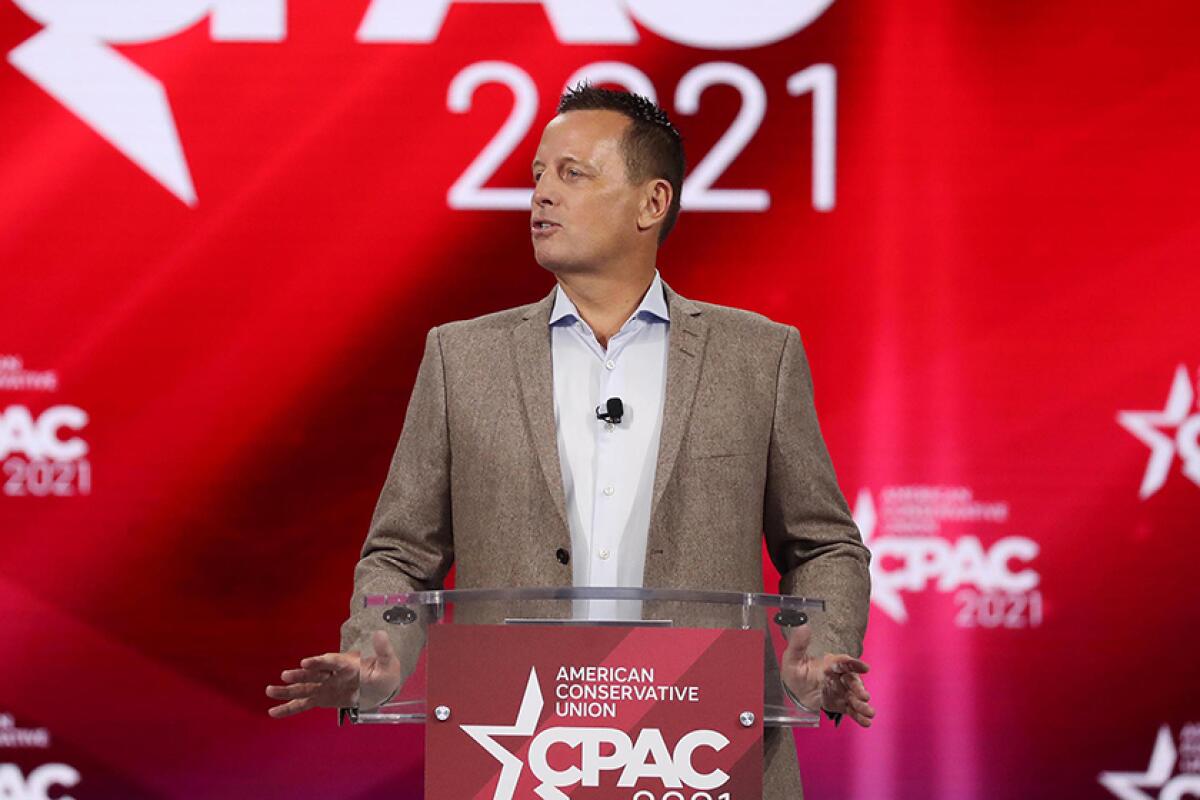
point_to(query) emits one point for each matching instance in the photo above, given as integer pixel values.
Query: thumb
(383, 648)
(798, 641)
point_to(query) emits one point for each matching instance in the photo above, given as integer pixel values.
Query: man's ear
(656, 202)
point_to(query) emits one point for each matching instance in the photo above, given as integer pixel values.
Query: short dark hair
(652, 146)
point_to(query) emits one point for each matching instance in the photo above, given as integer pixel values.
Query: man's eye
(573, 171)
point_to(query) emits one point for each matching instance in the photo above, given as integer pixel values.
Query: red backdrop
(227, 225)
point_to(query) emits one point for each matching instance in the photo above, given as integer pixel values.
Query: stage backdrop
(226, 226)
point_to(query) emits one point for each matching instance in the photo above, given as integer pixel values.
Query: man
(504, 468)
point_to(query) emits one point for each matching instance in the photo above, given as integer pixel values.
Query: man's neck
(606, 301)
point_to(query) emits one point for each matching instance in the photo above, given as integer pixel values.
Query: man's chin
(553, 262)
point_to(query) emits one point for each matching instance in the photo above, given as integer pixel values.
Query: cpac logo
(38, 786)
(1160, 774)
(1148, 427)
(21, 433)
(72, 61)
(646, 757)
(949, 565)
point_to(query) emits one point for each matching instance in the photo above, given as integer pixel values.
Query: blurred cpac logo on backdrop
(709, 24)
(37, 460)
(71, 60)
(42, 783)
(993, 586)
(21, 433)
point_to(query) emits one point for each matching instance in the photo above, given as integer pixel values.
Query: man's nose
(542, 194)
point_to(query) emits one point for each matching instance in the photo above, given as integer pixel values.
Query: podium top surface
(442, 597)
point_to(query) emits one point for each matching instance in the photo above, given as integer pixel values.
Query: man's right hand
(339, 680)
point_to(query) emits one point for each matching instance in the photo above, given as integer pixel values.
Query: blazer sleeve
(811, 536)
(410, 543)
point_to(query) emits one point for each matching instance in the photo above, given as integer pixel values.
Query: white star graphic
(883, 594)
(1145, 425)
(526, 723)
(1157, 775)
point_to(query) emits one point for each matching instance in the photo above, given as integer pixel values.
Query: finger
(293, 691)
(848, 664)
(862, 712)
(865, 722)
(330, 662)
(290, 708)
(861, 707)
(304, 675)
(856, 686)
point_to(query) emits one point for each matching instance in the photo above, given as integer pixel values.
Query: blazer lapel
(685, 351)
(531, 351)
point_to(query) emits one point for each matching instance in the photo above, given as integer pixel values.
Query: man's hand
(830, 682)
(339, 680)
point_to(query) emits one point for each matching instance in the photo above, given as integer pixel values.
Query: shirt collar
(653, 305)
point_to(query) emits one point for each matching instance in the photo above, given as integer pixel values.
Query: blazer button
(562, 555)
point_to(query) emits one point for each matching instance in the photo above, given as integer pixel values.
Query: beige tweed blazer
(475, 478)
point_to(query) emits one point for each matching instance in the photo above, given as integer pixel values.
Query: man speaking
(612, 434)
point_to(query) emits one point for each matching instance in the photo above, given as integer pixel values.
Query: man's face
(581, 186)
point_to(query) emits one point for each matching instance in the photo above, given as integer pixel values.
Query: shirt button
(603, 553)
(610, 364)
(608, 490)
(608, 426)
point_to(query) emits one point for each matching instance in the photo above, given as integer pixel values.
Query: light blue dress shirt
(608, 469)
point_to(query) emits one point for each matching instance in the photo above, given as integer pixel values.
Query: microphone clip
(611, 412)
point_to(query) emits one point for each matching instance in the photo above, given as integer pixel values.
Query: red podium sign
(593, 713)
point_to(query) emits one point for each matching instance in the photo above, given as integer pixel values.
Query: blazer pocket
(719, 447)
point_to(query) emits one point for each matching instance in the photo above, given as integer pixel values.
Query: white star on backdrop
(882, 593)
(1146, 425)
(1157, 775)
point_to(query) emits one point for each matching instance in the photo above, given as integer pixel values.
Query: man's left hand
(831, 681)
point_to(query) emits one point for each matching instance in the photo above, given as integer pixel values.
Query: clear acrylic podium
(407, 619)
